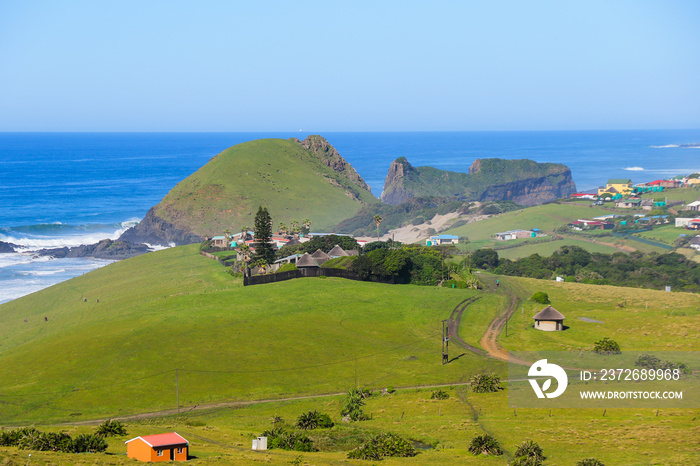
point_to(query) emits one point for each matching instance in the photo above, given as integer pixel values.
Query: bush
(590, 462)
(353, 406)
(111, 428)
(485, 445)
(485, 259)
(606, 346)
(485, 383)
(457, 284)
(314, 420)
(89, 443)
(383, 445)
(541, 297)
(529, 453)
(285, 440)
(287, 268)
(439, 395)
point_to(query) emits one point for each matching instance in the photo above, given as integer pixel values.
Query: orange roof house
(159, 447)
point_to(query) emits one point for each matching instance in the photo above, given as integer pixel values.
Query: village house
(516, 234)
(591, 225)
(617, 186)
(694, 224)
(439, 240)
(590, 196)
(695, 243)
(628, 203)
(159, 447)
(549, 320)
(693, 206)
(664, 183)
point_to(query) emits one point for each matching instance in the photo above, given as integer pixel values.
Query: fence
(308, 272)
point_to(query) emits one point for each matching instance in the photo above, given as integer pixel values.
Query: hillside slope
(522, 181)
(293, 179)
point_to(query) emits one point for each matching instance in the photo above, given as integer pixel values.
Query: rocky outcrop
(524, 182)
(105, 249)
(154, 230)
(395, 191)
(6, 248)
(330, 157)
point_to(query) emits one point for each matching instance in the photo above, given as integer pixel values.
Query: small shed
(549, 320)
(159, 447)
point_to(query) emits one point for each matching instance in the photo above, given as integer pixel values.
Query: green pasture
(546, 249)
(666, 234)
(637, 319)
(174, 320)
(444, 428)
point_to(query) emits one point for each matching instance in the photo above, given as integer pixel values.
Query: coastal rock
(523, 181)
(156, 231)
(105, 249)
(6, 248)
(330, 157)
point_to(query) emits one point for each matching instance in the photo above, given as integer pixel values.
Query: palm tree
(295, 226)
(227, 237)
(282, 228)
(378, 221)
(306, 224)
(244, 233)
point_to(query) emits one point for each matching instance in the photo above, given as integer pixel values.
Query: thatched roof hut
(306, 261)
(337, 251)
(320, 257)
(549, 320)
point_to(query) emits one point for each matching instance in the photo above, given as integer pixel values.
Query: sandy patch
(416, 233)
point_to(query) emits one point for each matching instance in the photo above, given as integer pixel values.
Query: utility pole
(445, 342)
(177, 390)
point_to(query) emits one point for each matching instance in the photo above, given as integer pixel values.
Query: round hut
(549, 320)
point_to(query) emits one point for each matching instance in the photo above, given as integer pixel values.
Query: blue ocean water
(66, 189)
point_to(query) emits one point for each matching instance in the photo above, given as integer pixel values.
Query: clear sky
(348, 65)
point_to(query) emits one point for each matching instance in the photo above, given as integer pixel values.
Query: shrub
(383, 445)
(485, 259)
(285, 440)
(89, 443)
(485, 383)
(529, 453)
(457, 284)
(606, 346)
(111, 428)
(590, 462)
(287, 268)
(439, 395)
(46, 441)
(485, 445)
(541, 297)
(314, 420)
(353, 406)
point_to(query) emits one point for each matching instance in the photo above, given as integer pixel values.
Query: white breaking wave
(634, 169)
(36, 242)
(666, 146)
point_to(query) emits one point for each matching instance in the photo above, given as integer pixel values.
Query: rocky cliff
(105, 249)
(155, 230)
(522, 181)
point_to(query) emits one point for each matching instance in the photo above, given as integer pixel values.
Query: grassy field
(666, 234)
(546, 249)
(637, 319)
(676, 194)
(174, 310)
(444, 427)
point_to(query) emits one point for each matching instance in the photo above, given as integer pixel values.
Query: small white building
(439, 240)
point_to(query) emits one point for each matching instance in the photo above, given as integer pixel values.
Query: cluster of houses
(617, 188)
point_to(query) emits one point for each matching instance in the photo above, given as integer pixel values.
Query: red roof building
(159, 447)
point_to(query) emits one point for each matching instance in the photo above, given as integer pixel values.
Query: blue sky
(348, 65)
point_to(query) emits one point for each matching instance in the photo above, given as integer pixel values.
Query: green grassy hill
(175, 310)
(291, 181)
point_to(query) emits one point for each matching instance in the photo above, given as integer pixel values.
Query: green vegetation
(577, 264)
(29, 438)
(281, 175)
(353, 406)
(314, 420)
(529, 453)
(324, 243)
(226, 342)
(264, 252)
(606, 346)
(277, 437)
(540, 297)
(111, 428)
(439, 395)
(485, 383)
(383, 445)
(485, 445)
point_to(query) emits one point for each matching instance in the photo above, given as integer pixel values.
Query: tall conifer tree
(263, 236)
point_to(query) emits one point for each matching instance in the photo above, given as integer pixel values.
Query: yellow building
(615, 186)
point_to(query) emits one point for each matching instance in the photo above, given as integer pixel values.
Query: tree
(282, 228)
(485, 259)
(263, 237)
(295, 227)
(306, 226)
(541, 297)
(528, 453)
(378, 221)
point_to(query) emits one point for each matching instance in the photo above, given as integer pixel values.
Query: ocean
(67, 189)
